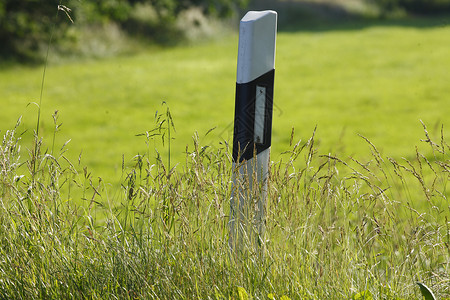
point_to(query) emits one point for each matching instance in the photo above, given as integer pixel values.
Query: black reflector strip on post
(253, 131)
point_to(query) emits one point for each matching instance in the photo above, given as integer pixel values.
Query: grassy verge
(336, 228)
(351, 226)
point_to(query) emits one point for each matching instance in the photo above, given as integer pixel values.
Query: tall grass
(336, 228)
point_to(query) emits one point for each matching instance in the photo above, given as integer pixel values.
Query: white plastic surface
(257, 38)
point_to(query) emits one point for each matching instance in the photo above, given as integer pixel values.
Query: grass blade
(426, 292)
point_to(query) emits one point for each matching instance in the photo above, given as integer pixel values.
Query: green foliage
(377, 75)
(372, 222)
(26, 26)
(416, 6)
(271, 296)
(426, 292)
(366, 295)
(242, 293)
(333, 226)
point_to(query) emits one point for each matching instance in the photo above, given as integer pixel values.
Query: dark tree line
(416, 6)
(25, 25)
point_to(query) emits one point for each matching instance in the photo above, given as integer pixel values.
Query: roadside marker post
(252, 128)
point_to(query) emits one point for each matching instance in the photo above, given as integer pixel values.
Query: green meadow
(377, 80)
(118, 202)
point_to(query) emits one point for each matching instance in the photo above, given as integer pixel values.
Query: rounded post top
(254, 15)
(257, 36)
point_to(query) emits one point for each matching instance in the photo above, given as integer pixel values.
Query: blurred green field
(376, 79)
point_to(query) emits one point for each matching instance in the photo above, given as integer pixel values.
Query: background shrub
(25, 26)
(416, 6)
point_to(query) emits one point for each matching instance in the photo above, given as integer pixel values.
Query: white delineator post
(252, 127)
